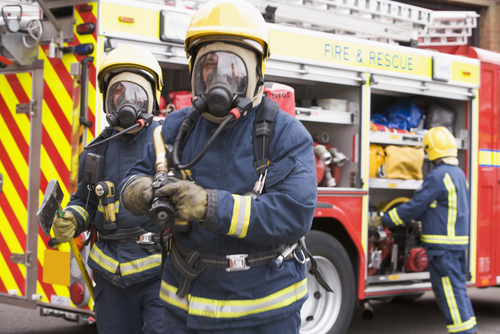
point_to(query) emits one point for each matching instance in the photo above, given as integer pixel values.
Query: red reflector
(85, 8)
(77, 293)
(85, 28)
(126, 19)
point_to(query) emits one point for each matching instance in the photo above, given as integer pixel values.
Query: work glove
(64, 227)
(190, 201)
(137, 196)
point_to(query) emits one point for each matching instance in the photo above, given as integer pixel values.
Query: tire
(325, 312)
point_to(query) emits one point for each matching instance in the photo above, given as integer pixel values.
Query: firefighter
(224, 273)
(126, 258)
(442, 204)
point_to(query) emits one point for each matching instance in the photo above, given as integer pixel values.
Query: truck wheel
(325, 312)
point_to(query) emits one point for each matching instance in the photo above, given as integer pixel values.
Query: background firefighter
(217, 277)
(442, 204)
(125, 270)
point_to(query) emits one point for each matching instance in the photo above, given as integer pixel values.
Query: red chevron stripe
(61, 72)
(14, 129)
(88, 17)
(17, 88)
(55, 157)
(57, 112)
(2, 287)
(14, 176)
(14, 222)
(14, 268)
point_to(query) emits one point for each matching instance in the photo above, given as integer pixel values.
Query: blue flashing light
(84, 49)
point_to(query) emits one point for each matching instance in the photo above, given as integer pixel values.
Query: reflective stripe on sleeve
(223, 309)
(140, 265)
(452, 204)
(393, 214)
(433, 205)
(103, 260)
(241, 216)
(81, 211)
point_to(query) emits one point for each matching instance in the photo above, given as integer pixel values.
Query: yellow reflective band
(103, 260)
(450, 299)
(241, 216)
(140, 265)
(463, 326)
(167, 294)
(444, 239)
(395, 217)
(433, 205)
(452, 204)
(214, 308)
(81, 211)
(117, 207)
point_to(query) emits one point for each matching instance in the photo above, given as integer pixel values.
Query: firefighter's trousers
(175, 323)
(447, 269)
(135, 309)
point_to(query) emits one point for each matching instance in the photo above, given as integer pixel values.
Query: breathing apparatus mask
(128, 96)
(226, 85)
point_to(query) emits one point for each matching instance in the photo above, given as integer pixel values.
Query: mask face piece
(126, 100)
(219, 76)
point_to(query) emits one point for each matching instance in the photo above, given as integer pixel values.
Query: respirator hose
(92, 145)
(178, 139)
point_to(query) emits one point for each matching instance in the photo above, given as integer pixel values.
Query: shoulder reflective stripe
(433, 204)
(395, 217)
(444, 239)
(452, 204)
(463, 326)
(167, 294)
(81, 211)
(213, 308)
(103, 260)
(241, 216)
(450, 300)
(140, 265)
(117, 207)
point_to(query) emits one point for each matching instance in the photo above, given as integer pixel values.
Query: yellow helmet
(439, 143)
(131, 58)
(231, 21)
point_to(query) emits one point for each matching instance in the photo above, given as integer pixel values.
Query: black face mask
(125, 102)
(220, 77)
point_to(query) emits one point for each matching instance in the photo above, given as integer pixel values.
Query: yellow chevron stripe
(56, 86)
(14, 200)
(56, 135)
(11, 101)
(8, 234)
(50, 172)
(6, 276)
(13, 152)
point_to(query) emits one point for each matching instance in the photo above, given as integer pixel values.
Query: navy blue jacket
(218, 299)
(442, 204)
(135, 264)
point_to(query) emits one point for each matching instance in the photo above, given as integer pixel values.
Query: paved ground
(419, 317)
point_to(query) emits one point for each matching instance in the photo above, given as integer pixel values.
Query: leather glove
(190, 200)
(64, 227)
(137, 196)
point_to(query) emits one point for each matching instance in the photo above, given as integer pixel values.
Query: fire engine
(346, 62)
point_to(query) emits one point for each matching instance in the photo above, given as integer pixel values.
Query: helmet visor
(220, 68)
(127, 94)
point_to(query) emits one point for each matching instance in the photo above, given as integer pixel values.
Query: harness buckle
(237, 262)
(146, 239)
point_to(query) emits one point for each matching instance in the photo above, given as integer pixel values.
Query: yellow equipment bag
(377, 157)
(404, 162)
